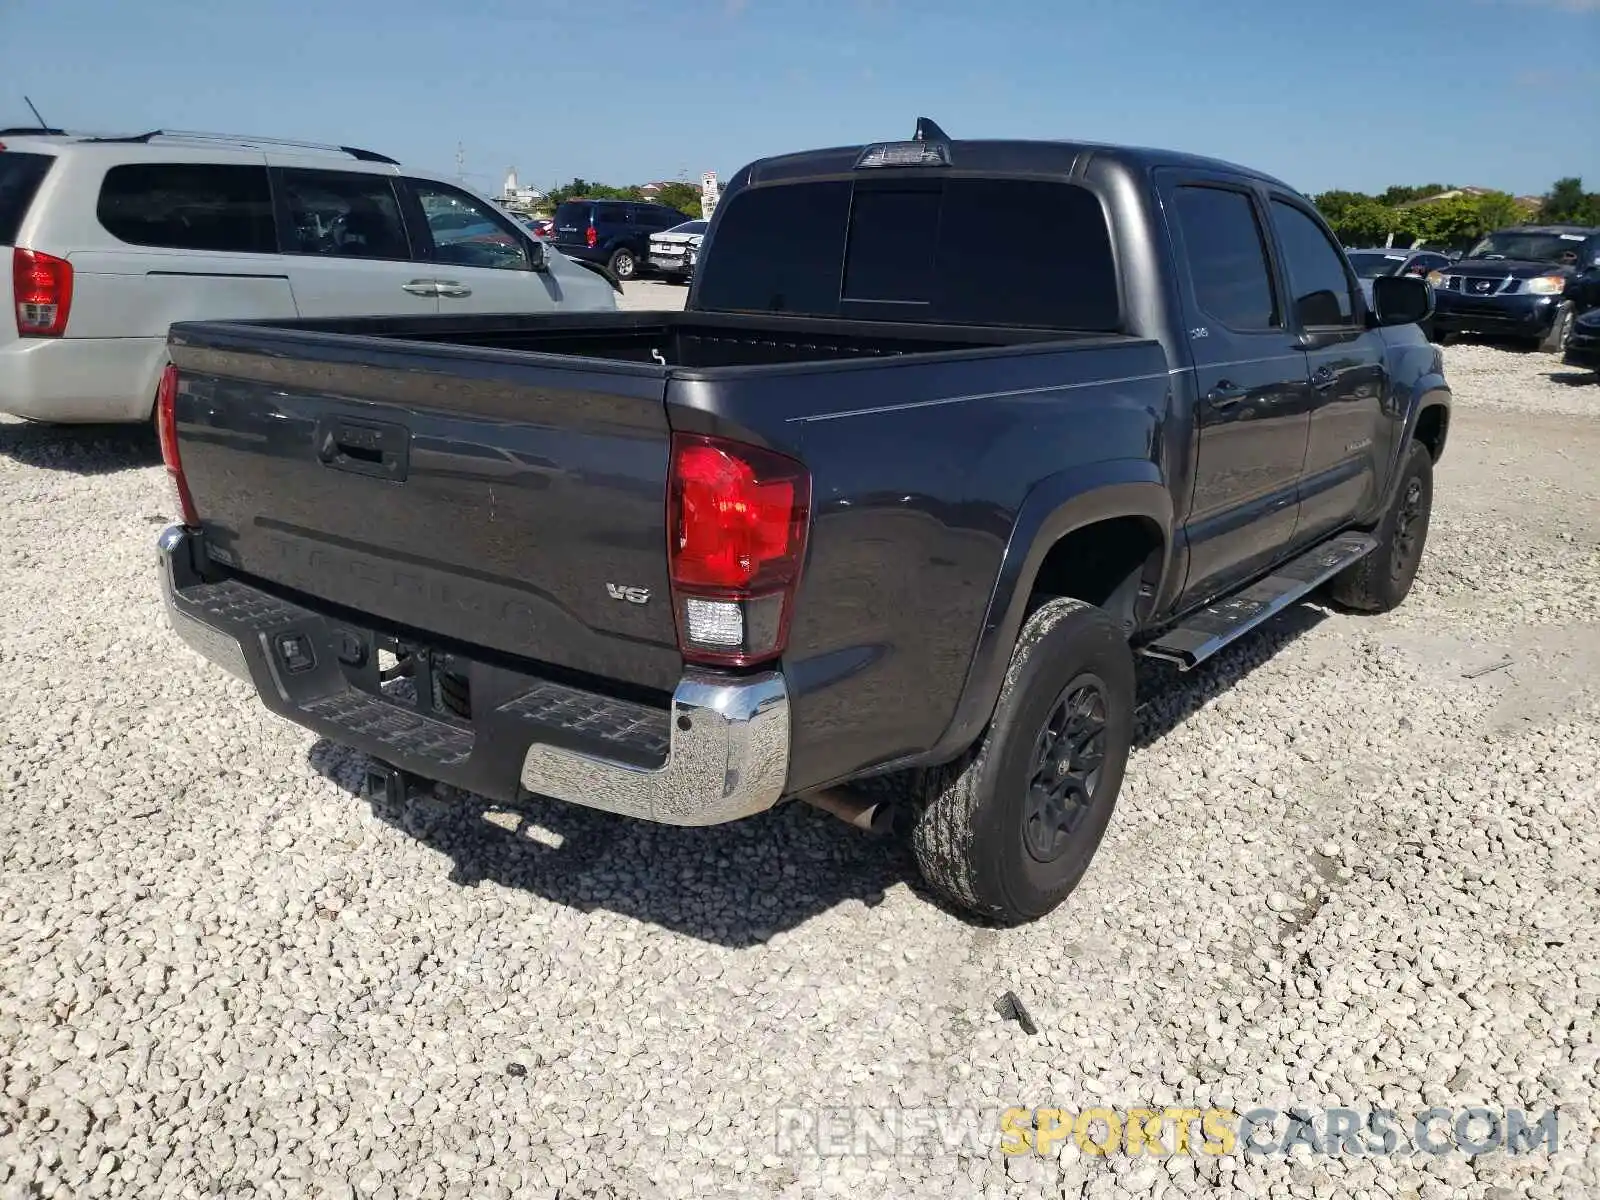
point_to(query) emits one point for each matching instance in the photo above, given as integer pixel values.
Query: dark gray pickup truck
(948, 432)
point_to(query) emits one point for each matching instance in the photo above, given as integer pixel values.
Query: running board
(1209, 630)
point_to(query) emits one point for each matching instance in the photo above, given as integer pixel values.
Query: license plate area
(430, 682)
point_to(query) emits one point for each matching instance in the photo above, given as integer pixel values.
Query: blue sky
(1502, 93)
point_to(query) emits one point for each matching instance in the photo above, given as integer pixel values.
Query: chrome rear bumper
(726, 738)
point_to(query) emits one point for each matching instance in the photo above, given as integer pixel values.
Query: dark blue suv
(1529, 283)
(613, 233)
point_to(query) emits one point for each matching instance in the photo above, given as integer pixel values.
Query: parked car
(675, 252)
(926, 535)
(1527, 283)
(614, 233)
(1370, 264)
(1583, 344)
(109, 240)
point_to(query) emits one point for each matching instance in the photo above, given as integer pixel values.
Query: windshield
(1530, 247)
(689, 227)
(1369, 264)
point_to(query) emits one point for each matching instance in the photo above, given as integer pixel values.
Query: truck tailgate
(492, 498)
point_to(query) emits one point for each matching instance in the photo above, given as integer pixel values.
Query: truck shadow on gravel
(80, 449)
(1574, 378)
(733, 885)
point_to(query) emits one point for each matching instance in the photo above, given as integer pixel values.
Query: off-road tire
(624, 265)
(1555, 341)
(1382, 579)
(971, 835)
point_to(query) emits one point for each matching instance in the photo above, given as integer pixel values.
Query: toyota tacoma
(884, 502)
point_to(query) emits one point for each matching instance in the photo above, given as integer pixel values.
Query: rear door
(347, 247)
(21, 173)
(1253, 412)
(482, 261)
(570, 226)
(1345, 454)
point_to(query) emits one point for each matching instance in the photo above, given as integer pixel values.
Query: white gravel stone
(1340, 872)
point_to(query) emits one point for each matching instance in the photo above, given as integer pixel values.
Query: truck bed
(695, 341)
(495, 487)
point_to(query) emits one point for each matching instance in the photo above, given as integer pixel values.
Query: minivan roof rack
(243, 140)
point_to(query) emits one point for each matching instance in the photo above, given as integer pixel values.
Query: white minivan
(112, 239)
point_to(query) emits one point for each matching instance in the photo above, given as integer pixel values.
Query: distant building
(514, 195)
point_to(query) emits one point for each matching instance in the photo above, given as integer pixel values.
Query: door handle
(1322, 378)
(451, 288)
(421, 287)
(1225, 395)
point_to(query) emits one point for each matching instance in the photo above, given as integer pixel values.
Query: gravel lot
(1341, 873)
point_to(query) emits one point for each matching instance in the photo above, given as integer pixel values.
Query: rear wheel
(1382, 579)
(1008, 831)
(623, 264)
(1555, 341)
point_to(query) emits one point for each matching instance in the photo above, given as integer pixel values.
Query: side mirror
(536, 256)
(1401, 300)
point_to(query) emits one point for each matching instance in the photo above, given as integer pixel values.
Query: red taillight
(167, 427)
(737, 518)
(591, 237)
(42, 286)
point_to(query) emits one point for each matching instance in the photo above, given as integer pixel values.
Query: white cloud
(1574, 6)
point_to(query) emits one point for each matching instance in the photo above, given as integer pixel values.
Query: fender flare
(1432, 392)
(1053, 508)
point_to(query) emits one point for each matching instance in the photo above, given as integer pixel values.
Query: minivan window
(916, 251)
(1317, 278)
(467, 232)
(343, 215)
(1227, 256)
(189, 206)
(20, 177)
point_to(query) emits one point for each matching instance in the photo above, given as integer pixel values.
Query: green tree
(585, 189)
(1356, 218)
(685, 197)
(1566, 203)
(1405, 194)
(1462, 220)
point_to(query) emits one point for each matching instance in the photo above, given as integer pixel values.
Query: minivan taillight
(42, 287)
(167, 428)
(590, 237)
(737, 521)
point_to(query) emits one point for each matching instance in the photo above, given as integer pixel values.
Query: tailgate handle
(365, 447)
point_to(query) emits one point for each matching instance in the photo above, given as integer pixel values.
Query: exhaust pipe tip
(877, 818)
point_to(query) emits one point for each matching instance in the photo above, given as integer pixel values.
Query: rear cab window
(21, 173)
(217, 207)
(915, 249)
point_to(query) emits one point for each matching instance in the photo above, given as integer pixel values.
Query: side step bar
(1201, 635)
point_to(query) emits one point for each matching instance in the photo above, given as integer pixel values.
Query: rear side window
(573, 215)
(190, 206)
(343, 215)
(20, 177)
(1227, 258)
(1315, 268)
(914, 251)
